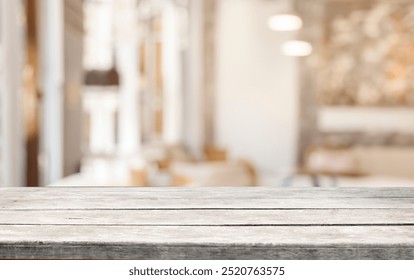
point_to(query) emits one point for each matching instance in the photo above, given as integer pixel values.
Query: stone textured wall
(368, 54)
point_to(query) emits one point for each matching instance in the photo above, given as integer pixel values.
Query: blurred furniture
(162, 165)
(83, 180)
(393, 164)
(386, 161)
(220, 173)
(297, 223)
(215, 154)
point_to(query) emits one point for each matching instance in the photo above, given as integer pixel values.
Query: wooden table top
(206, 223)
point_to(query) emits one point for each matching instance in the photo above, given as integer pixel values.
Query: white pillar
(172, 72)
(51, 81)
(12, 59)
(101, 106)
(129, 132)
(128, 68)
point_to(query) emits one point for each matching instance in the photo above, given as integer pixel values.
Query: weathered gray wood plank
(207, 223)
(216, 192)
(210, 217)
(282, 235)
(134, 201)
(136, 251)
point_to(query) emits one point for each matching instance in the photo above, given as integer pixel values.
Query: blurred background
(207, 93)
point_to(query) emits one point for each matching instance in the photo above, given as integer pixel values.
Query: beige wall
(256, 87)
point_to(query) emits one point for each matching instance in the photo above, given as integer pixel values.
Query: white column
(173, 90)
(12, 139)
(101, 107)
(129, 132)
(51, 80)
(128, 67)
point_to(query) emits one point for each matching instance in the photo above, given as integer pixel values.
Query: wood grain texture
(131, 202)
(206, 223)
(204, 198)
(203, 217)
(385, 191)
(286, 235)
(201, 252)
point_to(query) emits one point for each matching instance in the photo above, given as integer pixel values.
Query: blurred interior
(207, 93)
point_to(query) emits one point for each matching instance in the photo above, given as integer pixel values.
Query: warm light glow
(285, 22)
(297, 48)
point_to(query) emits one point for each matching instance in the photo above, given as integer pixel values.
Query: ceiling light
(297, 48)
(285, 22)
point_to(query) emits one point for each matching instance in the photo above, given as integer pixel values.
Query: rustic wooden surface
(206, 223)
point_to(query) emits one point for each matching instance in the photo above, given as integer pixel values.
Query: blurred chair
(223, 173)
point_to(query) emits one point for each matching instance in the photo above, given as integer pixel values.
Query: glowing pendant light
(286, 19)
(285, 22)
(290, 21)
(297, 48)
